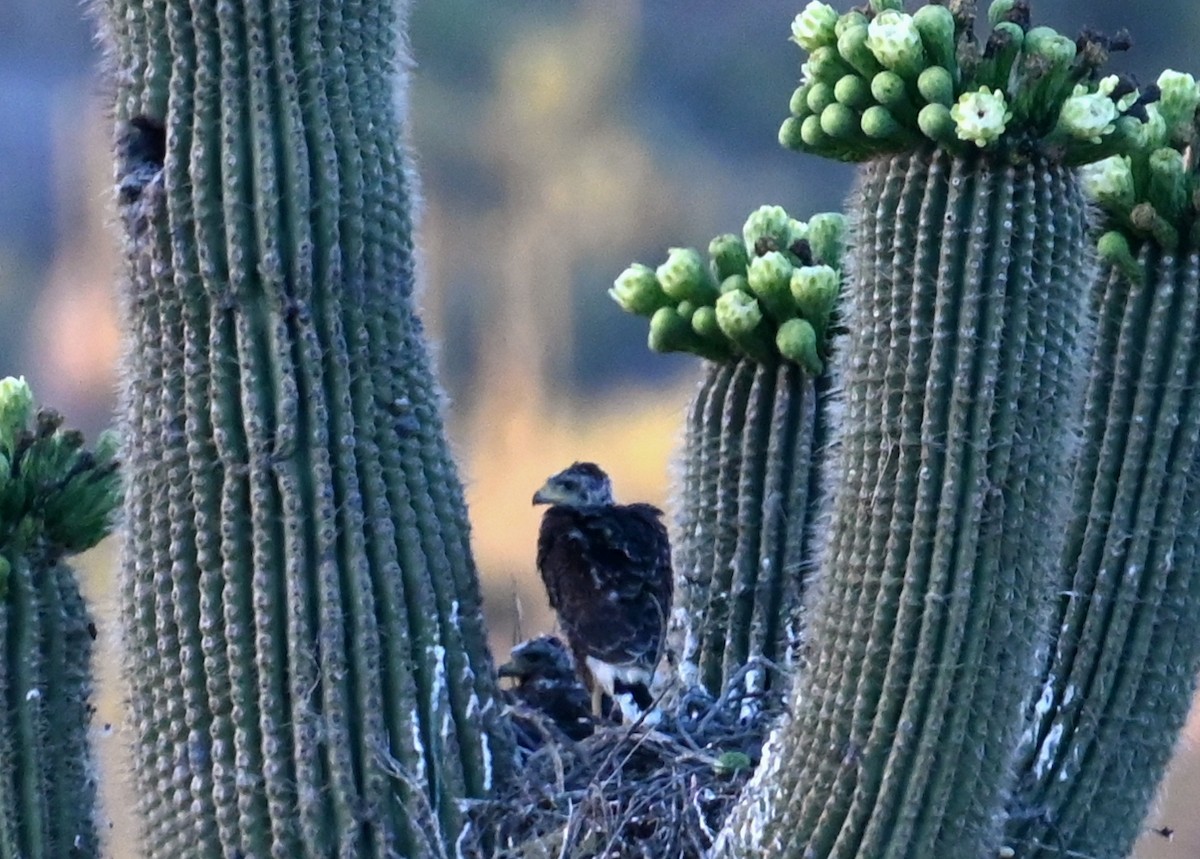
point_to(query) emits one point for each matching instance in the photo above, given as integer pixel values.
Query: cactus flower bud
(728, 253)
(936, 123)
(685, 277)
(827, 237)
(936, 86)
(767, 222)
(1168, 187)
(1178, 99)
(738, 314)
(704, 323)
(1110, 182)
(16, 410)
(937, 29)
(895, 41)
(1088, 116)
(814, 289)
(638, 291)
(735, 283)
(796, 341)
(980, 117)
(791, 132)
(814, 27)
(769, 276)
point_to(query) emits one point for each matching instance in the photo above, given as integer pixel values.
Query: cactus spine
(306, 653)
(759, 308)
(55, 499)
(1117, 682)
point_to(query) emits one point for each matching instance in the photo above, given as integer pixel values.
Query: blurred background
(557, 141)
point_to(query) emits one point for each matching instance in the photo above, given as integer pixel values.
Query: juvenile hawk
(546, 683)
(607, 570)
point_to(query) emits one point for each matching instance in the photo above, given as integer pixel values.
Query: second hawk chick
(546, 683)
(607, 571)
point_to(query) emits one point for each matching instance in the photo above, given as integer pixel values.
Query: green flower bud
(1114, 250)
(840, 122)
(685, 309)
(670, 332)
(1168, 188)
(796, 341)
(1000, 55)
(815, 26)
(826, 64)
(798, 106)
(685, 277)
(891, 91)
(879, 124)
(767, 222)
(791, 132)
(1110, 182)
(1154, 131)
(735, 283)
(704, 323)
(827, 237)
(738, 314)
(937, 29)
(1179, 98)
(980, 117)
(814, 289)
(797, 232)
(852, 46)
(820, 96)
(728, 253)
(1147, 220)
(16, 410)
(1049, 44)
(853, 18)
(852, 91)
(895, 41)
(1087, 116)
(878, 6)
(937, 124)
(638, 291)
(769, 276)
(811, 133)
(936, 86)
(999, 10)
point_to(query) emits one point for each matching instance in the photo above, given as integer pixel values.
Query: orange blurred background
(557, 142)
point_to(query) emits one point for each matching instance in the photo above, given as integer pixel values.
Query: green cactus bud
(638, 291)
(827, 236)
(936, 86)
(734, 283)
(704, 323)
(998, 11)
(798, 106)
(1154, 130)
(826, 64)
(729, 256)
(879, 124)
(1178, 98)
(852, 46)
(878, 6)
(1003, 48)
(1148, 220)
(1113, 248)
(791, 132)
(853, 18)
(772, 223)
(16, 410)
(890, 90)
(937, 123)
(1168, 187)
(769, 276)
(895, 41)
(814, 290)
(811, 133)
(820, 96)
(738, 314)
(685, 309)
(1110, 182)
(937, 29)
(815, 27)
(1087, 116)
(796, 341)
(852, 91)
(685, 276)
(980, 117)
(840, 122)
(670, 332)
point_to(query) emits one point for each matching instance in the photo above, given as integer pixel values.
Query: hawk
(546, 683)
(607, 571)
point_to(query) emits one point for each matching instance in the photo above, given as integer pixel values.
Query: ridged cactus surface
(759, 307)
(55, 499)
(964, 307)
(1117, 681)
(305, 650)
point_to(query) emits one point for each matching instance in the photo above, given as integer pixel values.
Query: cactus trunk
(744, 517)
(1117, 682)
(965, 306)
(306, 652)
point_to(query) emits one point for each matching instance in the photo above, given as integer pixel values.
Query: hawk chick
(546, 683)
(607, 571)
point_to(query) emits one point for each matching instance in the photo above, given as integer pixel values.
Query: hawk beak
(548, 494)
(508, 669)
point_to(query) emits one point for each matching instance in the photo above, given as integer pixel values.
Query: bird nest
(632, 790)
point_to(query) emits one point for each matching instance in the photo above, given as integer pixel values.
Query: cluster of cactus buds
(879, 80)
(1152, 191)
(764, 295)
(54, 495)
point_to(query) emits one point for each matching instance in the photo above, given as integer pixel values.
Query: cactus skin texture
(55, 499)
(305, 648)
(744, 516)
(966, 303)
(1120, 677)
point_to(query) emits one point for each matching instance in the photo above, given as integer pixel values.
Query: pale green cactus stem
(306, 657)
(55, 499)
(759, 308)
(1119, 674)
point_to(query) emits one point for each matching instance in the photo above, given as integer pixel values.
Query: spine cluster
(878, 80)
(56, 498)
(765, 295)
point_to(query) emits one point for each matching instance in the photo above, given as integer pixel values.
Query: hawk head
(544, 658)
(584, 484)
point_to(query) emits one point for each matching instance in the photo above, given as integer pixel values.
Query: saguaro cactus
(759, 310)
(1117, 681)
(55, 500)
(965, 305)
(306, 656)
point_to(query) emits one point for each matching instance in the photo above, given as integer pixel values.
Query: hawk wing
(607, 571)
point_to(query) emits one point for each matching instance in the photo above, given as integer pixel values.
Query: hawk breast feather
(607, 571)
